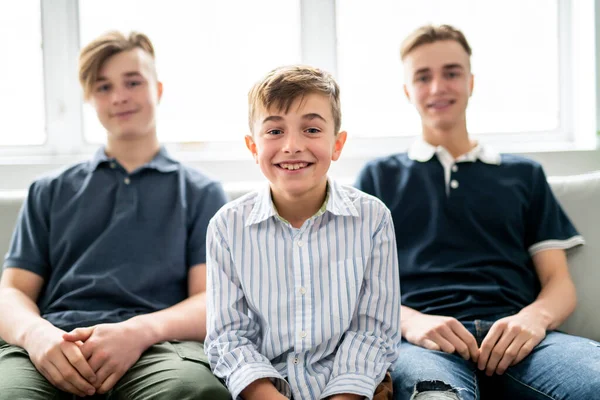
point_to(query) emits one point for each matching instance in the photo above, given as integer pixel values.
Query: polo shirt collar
(161, 162)
(337, 203)
(422, 151)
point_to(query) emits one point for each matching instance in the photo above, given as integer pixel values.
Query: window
(21, 74)
(208, 56)
(515, 61)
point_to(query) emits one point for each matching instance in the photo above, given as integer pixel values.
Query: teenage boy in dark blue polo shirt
(103, 287)
(481, 246)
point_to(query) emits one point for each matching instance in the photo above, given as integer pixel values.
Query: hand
(509, 341)
(345, 396)
(61, 362)
(440, 333)
(111, 349)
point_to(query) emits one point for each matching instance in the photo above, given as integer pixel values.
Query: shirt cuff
(361, 385)
(249, 373)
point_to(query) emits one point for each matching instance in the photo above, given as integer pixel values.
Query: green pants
(169, 371)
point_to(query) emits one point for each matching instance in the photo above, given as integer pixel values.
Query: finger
(499, 349)
(110, 382)
(55, 378)
(467, 338)
(526, 349)
(429, 344)
(96, 361)
(70, 375)
(82, 334)
(511, 353)
(87, 349)
(77, 360)
(444, 344)
(487, 345)
(102, 375)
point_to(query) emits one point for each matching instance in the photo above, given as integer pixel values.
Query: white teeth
(293, 167)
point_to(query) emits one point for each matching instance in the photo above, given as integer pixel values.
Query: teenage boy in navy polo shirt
(481, 246)
(103, 287)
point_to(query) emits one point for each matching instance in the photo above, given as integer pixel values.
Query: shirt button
(454, 168)
(127, 181)
(295, 360)
(453, 184)
(302, 334)
(302, 290)
(113, 165)
(300, 243)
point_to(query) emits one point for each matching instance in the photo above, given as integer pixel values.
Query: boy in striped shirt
(303, 287)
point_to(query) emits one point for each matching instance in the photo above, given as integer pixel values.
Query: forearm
(184, 321)
(406, 313)
(555, 303)
(19, 316)
(260, 389)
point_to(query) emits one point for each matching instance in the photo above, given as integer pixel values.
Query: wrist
(35, 330)
(259, 389)
(144, 330)
(544, 317)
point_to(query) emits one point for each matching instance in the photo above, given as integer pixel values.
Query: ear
(406, 93)
(159, 89)
(340, 140)
(251, 145)
(471, 85)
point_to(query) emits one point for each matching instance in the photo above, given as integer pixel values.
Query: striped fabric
(316, 309)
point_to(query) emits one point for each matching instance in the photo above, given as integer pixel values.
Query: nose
(119, 96)
(293, 143)
(437, 85)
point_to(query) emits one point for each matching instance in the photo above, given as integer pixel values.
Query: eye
(452, 74)
(422, 78)
(133, 83)
(274, 132)
(103, 88)
(313, 130)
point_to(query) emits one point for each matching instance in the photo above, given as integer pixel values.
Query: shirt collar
(336, 202)
(422, 151)
(161, 162)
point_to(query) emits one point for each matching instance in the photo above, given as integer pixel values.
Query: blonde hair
(430, 34)
(282, 86)
(93, 56)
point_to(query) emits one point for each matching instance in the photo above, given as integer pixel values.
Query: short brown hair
(95, 54)
(430, 34)
(282, 86)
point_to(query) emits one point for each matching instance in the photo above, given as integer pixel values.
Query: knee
(199, 390)
(434, 390)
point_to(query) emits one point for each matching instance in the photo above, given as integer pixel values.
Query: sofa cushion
(10, 204)
(580, 197)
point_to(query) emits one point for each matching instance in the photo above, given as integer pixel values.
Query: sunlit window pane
(515, 63)
(21, 74)
(208, 56)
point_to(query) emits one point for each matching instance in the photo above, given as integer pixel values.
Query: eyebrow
(309, 116)
(445, 67)
(126, 74)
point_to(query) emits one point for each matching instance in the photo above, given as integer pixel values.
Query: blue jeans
(561, 367)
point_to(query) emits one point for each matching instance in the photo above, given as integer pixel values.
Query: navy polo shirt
(110, 244)
(466, 229)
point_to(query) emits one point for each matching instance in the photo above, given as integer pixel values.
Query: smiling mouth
(293, 166)
(124, 114)
(441, 104)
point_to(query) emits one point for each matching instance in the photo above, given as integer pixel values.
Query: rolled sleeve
(231, 333)
(371, 344)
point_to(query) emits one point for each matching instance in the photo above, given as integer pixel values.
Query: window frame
(65, 141)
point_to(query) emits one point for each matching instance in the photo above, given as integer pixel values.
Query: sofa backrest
(580, 197)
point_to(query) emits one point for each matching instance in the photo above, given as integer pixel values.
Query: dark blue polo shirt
(112, 245)
(466, 233)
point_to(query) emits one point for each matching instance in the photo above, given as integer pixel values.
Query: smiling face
(294, 149)
(126, 94)
(438, 81)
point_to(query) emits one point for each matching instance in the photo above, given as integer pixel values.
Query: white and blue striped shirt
(318, 306)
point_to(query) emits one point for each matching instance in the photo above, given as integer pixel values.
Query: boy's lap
(176, 369)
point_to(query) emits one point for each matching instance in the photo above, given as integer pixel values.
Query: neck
(132, 154)
(298, 209)
(455, 139)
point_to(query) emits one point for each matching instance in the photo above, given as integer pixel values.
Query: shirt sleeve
(232, 334)
(372, 342)
(547, 225)
(29, 248)
(209, 201)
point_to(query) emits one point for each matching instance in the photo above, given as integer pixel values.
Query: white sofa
(579, 195)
